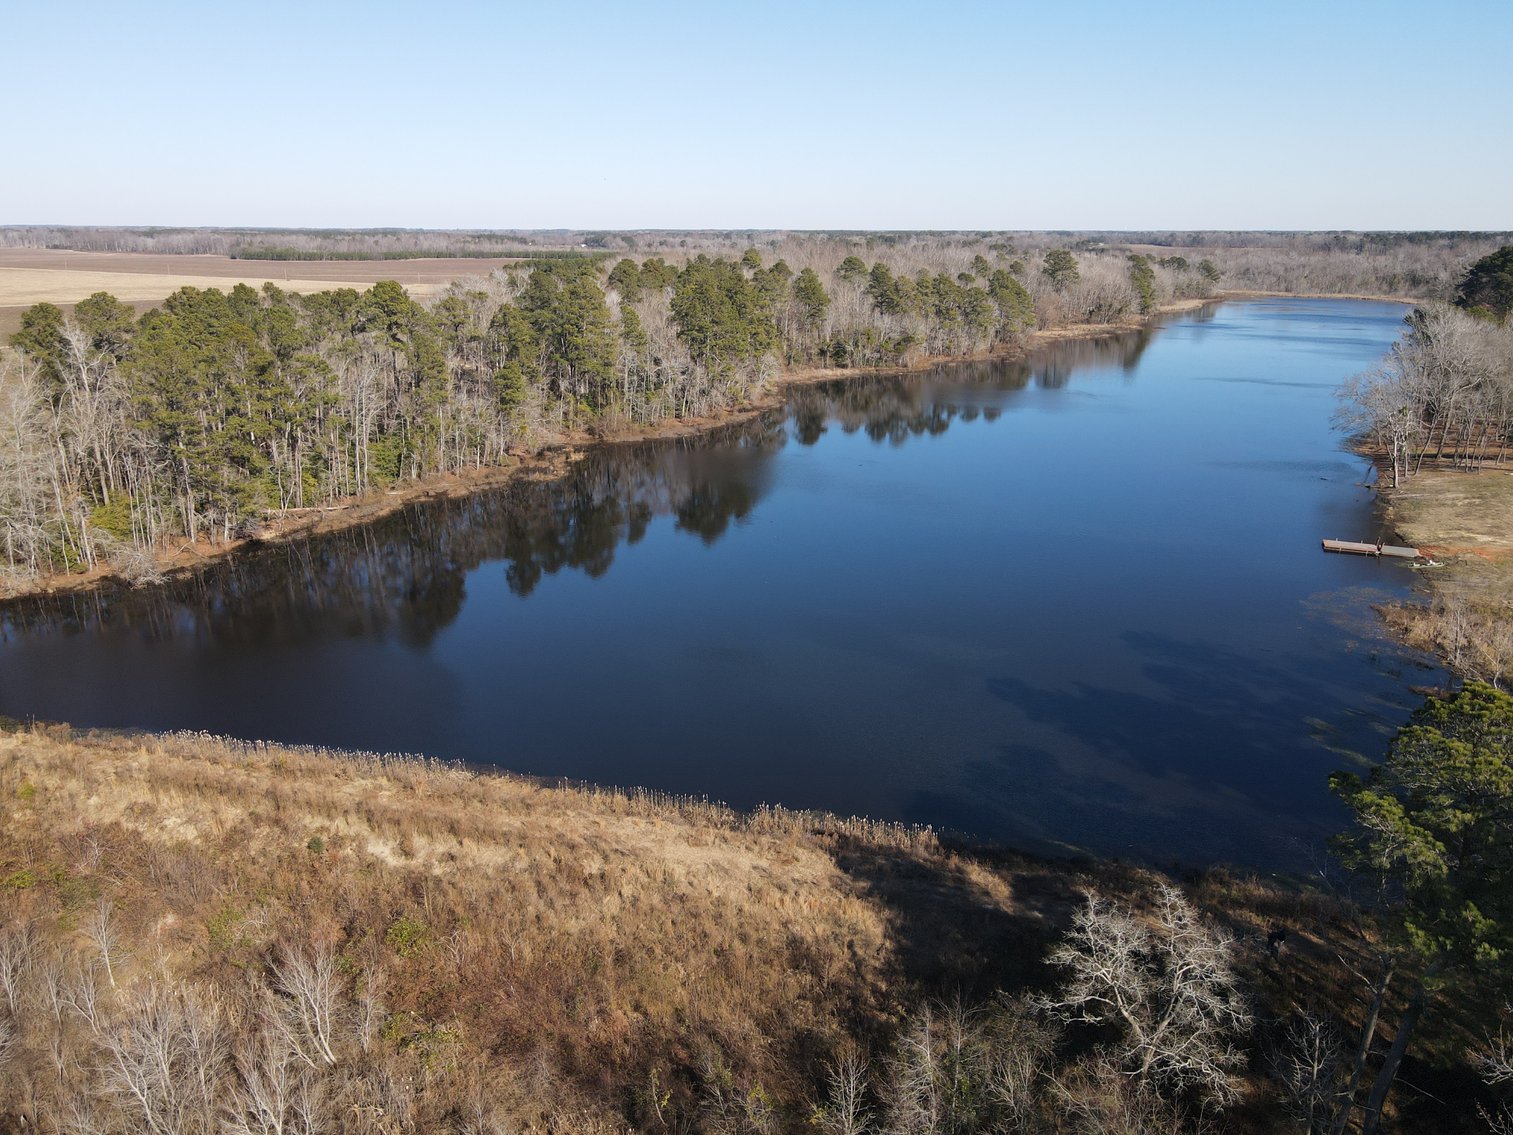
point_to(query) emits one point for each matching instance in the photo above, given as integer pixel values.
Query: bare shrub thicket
(1494, 1060)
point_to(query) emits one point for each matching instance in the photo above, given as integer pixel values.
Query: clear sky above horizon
(1285, 115)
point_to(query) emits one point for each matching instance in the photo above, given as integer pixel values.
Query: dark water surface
(1078, 602)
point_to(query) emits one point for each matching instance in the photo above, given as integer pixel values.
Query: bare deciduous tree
(18, 949)
(1166, 983)
(276, 1092)
(311, 999)
(1313, 1068)
(101, 929)
(1495, 1063)
(847, 1112)
(956, 1070)
(166, 1060)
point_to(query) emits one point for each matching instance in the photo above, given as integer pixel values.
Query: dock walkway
(1355, 549)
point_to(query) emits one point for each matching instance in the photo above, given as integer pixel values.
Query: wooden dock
(1351, 548)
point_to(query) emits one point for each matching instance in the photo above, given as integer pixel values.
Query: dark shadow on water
(1222, 754)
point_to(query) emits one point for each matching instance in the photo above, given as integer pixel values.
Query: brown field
(31, 275)
(1464, 521)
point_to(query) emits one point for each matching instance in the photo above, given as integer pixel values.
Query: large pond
(1076, 602)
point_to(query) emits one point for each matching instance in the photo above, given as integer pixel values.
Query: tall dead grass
(198, 933)
(595, 943)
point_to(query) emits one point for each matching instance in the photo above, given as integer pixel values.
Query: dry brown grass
(569, 959)
(1464, 522)
(1454, 512)
(613, 939)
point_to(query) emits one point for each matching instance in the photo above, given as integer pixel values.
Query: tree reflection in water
(403, 577)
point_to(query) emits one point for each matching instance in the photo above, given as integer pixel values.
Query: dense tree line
(302, 244)
(121, 434)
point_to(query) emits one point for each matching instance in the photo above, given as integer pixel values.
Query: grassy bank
(1463, 521)
(503, 956)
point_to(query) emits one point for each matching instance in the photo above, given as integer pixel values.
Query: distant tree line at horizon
(1416, 265)
(285, 252)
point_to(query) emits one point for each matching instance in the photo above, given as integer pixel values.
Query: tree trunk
(1363, 1051)
(1388, 1073)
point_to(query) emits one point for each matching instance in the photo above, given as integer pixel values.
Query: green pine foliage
(1487, 287)
(1060, 268)
(1436, 822)
(1016, 307)
(1434, 833)
(625, 278)
(723, 317)
(1142, 278)
(851, 269)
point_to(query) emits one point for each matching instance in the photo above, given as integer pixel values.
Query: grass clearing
(1464, 522)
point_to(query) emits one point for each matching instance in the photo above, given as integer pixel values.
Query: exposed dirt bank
(1255, 295)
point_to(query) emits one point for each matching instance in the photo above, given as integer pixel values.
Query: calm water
(1074, 603)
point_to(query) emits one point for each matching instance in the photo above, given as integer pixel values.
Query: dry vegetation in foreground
(371, 944)
(1464, 521)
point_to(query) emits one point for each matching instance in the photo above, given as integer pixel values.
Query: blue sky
(1328, 114)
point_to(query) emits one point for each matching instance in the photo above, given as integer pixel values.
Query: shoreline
(553, 459)
(1243, 294)
(793, 928)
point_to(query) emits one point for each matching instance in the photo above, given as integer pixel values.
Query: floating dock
(1351, 548)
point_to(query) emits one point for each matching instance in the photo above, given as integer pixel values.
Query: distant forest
(1412, 259)
(122, 432)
